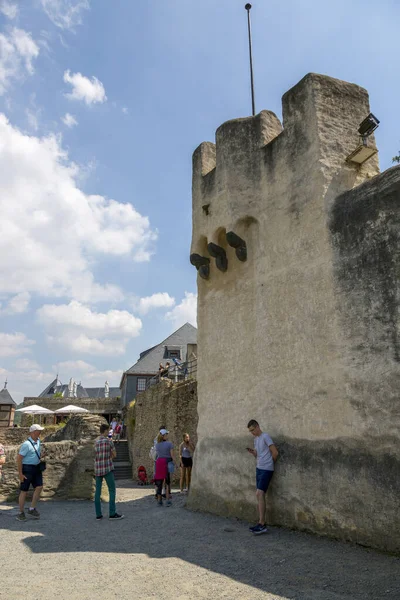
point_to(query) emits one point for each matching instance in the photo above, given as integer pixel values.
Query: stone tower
(298, 259)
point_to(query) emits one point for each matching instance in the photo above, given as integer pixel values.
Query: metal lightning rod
(253, 104)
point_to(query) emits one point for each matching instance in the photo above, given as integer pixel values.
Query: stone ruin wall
(69, 456)
(173, 405)
(14, 436)
(304, 334)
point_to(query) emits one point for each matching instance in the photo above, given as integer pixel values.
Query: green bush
(130, 417)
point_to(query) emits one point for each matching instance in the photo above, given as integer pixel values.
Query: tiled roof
(5, 397)
(81, 392)
(150, 359)
(114, 392)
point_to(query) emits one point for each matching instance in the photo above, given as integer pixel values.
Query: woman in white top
(186, 450)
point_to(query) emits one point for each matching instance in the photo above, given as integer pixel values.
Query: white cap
(35, 427)
(163, 431)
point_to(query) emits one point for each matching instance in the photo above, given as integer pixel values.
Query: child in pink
(160, 474)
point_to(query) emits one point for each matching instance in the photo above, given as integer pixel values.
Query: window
(141, 384)
(172, 352)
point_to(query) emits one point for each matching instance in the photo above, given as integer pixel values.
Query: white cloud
(14, 344)
(91, 91)
(160, 300)
(26, 47)
(69, 120)
(51, 233)
(8, 9)
(26, 364)
(33, 118)
(65, 14)
(99, 377)
(75, 314)
(125, 110)
(184, 312)
(33, 113)
(26, 381)
(83, 344)
(70, 366)
(17, 53)
(88, 373)
(32, 376)
(18, 304)
(78, 328)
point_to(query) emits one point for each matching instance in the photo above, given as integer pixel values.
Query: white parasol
(34, 409)
(67, 410)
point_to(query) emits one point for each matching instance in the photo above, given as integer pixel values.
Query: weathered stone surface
(78, 428)
(13, 436)
(172, 405)
(69, 454)
(303, 336)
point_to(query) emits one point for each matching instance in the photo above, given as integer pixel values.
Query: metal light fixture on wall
(368, 126)
(363, 152)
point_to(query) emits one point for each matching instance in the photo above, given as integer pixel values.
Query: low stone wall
(69, 455)
(14, 436)
(172, 405)
(78, 428)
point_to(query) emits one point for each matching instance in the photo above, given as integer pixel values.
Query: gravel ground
(171, 553)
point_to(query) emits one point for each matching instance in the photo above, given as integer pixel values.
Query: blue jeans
(110, 481)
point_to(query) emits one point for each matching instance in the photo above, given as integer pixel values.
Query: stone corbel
(202, 264)
(240, 245)
(219, 254)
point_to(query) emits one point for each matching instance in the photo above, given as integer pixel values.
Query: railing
(179, 371)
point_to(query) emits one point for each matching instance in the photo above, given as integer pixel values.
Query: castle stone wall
(172, 405)
(301, 336)
(14, 436)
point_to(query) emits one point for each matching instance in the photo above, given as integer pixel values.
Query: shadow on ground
(289, 564)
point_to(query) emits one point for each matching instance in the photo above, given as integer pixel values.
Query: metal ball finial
(248, 6)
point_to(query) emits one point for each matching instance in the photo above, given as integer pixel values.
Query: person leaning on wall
(186, 450)
(266, 453)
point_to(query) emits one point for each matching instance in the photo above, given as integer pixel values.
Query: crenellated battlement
(255, 161)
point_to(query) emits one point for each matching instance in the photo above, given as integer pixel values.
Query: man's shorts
(33, 476)
(263, 479)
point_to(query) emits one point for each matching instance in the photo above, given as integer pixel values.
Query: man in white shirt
(266, 454)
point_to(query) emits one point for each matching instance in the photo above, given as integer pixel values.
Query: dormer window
(172, 352)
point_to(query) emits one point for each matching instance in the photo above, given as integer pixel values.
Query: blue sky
(101, 106)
